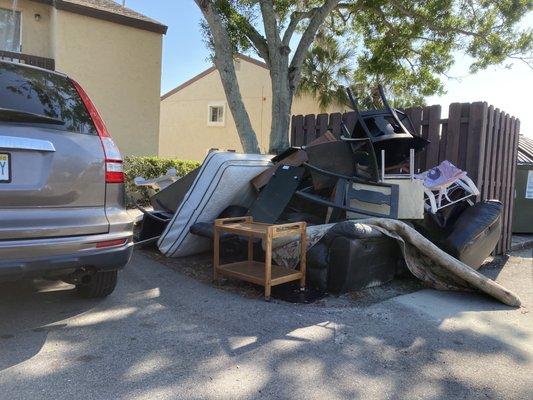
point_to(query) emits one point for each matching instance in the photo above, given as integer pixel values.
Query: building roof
(108, 10)
(208, 71)
(525, 150)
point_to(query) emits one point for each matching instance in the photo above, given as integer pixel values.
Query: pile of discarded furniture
(369, 215)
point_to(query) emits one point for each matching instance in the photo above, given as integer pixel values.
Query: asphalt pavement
(163, 335)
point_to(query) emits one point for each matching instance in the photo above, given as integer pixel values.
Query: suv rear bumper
(61, 256)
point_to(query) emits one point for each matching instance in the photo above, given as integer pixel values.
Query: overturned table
(265, 274)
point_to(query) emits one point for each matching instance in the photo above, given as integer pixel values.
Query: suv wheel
(101, 284)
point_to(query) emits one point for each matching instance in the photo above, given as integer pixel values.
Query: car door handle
(18, 143)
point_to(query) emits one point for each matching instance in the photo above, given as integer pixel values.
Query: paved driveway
(162, 335)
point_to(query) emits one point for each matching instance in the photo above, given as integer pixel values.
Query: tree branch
(271, 25)
(296, 18)
(308, 36)
(257, 39)
(430, 24)
(526, 60)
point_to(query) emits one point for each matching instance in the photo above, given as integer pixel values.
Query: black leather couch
(350, 257)
(469, 235)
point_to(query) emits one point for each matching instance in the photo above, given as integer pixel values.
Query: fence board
(349, 119)
(297, 127)
(416, 117)
(513, 179)
(442, 143)
(508, 178)
(499, 157)
(463, 137)
(322, 121)
(309, 128)
(488, 154)
(482, 140)
(432, 157)
(476, 135)
(502, 142)
(451, 152)
(335, 120)
(495, 151)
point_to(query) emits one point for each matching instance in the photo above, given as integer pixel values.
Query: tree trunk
(281, 109)
(226, 68)
(285, 77)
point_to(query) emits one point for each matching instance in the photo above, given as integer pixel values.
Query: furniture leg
(216, 253)
(268, 264)
(250, 249)
(303, 253)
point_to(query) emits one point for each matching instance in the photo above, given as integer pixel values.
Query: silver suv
(62, 213)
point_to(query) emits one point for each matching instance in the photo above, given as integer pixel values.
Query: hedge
(150, 167)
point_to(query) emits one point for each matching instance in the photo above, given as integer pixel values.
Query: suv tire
(102, 284)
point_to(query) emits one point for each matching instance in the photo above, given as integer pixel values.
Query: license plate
(5, 167)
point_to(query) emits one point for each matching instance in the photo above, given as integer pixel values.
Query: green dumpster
(523, 201)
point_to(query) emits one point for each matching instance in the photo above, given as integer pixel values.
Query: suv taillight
(114, 172)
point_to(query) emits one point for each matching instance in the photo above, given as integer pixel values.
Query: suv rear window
(44, 93)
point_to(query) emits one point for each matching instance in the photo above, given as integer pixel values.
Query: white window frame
(19, 12)
(213, 104)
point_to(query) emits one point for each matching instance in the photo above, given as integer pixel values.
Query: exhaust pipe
(82, 276)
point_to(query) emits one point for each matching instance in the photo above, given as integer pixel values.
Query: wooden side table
(265, 274)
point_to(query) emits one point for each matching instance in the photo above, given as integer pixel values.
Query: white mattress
(223, 180)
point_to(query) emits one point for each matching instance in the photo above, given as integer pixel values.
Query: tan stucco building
(112, 51)
(195, 116)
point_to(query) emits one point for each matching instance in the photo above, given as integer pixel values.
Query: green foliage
(408, 46)
(151, 167)
(325, 71)
(238, 17)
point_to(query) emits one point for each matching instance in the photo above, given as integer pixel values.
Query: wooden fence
(478, 138)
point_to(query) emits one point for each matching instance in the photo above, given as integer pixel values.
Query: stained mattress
(223, 180)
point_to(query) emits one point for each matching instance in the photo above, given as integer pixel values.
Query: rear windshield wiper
(7, 114)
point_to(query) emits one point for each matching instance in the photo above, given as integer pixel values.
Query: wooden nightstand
(265, 274)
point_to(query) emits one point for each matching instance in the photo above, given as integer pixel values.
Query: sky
(185, 55)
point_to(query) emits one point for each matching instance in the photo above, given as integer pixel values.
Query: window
(43, 93)
(9, 30)
(216, 114)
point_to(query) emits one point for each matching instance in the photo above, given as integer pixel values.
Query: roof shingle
(108, 10)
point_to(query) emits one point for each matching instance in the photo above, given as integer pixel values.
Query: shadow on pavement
(163, 335)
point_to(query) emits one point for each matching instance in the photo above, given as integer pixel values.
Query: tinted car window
(44, 93)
